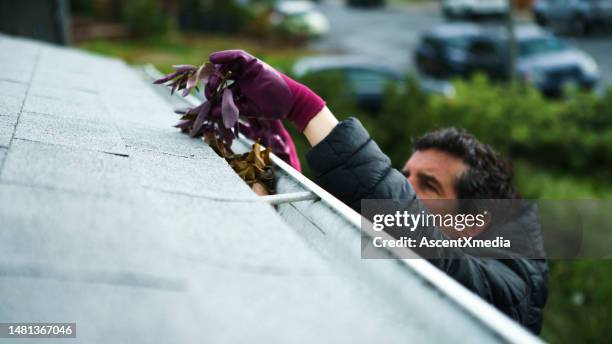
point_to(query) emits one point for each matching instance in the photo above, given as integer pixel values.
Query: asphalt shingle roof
(108, 218)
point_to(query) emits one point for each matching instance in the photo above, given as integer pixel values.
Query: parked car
(459, 50)
(366, 78)
(472, 9)
(442, 52)
(581, 16)
(300, 19)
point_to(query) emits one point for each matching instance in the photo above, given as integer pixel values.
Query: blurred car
(366, 78)
(366, 3)
(454, 9)
(442, 52)
(579, 15)
(459, 50)
(299, 19)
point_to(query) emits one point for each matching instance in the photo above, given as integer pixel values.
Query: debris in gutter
(255, 168)
(216, 120)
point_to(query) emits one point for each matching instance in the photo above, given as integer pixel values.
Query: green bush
(218, 16)
(81, 7)
(578, 307)
(574, 135)
(145, 17)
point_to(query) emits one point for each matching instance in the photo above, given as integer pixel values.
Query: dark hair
(489, 175)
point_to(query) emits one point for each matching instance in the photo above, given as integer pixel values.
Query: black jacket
(349, 165)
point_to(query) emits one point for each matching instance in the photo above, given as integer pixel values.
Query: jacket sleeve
(351, 166)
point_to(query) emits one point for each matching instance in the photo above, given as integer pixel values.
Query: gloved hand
(262, 92)
(275, 136)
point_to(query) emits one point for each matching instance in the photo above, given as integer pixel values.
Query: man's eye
(429, 186)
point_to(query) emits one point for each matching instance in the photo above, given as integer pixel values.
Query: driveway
(390, 34)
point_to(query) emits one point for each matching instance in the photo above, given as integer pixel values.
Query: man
(448, 164)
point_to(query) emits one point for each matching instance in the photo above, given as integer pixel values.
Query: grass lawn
(163, 52)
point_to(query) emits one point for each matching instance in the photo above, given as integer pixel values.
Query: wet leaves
(217, 116)
(229, 111)
(254, 166)
(202, 112)
(216, 120)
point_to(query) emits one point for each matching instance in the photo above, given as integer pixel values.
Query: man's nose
(413, 182)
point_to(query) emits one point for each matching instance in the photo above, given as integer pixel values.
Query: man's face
(432, 173)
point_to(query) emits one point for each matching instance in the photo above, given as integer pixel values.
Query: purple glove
(280, 142)
(261, 91)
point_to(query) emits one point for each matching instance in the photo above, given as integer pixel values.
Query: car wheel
(470, 15)
(448, 14)
(580, 25)
(540, 19)
(366, 3)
